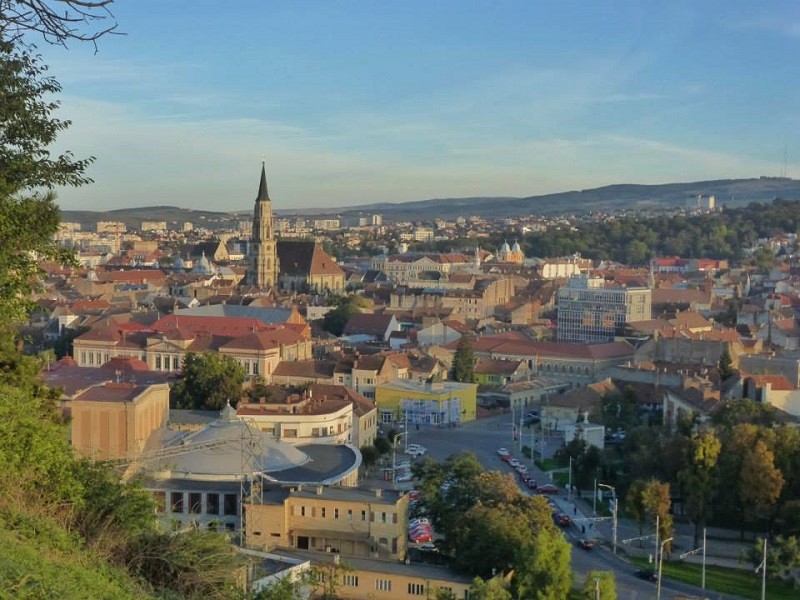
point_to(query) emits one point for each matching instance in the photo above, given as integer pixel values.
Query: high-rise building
(588, 311)
(263, 269)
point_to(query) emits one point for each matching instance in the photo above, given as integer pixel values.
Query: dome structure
(516, 248)
(203, 266)
(178, 264)
(227, 450)
(505, 249)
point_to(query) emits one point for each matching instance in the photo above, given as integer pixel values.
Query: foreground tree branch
(58, 21)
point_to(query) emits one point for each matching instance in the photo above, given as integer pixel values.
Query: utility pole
(660, 562)
(764, 572)
(594, 499)
(657, 525)
(596, 588)
(614, 512)
(703, 576)
(569, 484)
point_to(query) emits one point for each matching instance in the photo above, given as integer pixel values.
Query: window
(176, 502)
(195, 502)
(349, 515)
(158, 361)
(335, 513)
(176, 363)
(255, 368)
(383, 585)
(363, 515)
(212, 504)
(322, 510)
(290, 433)
(302, 511)
(160, 498)
(315, 431)
(383, 517)
(416, 589)
(230, 505)
(350, 580)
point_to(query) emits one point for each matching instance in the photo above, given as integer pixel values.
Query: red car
(548, 488)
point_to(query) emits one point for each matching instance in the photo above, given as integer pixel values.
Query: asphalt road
(485, 436)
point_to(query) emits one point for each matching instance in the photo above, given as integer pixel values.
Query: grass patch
(739, 582)
(548, 464)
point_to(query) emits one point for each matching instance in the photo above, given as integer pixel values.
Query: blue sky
(359, 102)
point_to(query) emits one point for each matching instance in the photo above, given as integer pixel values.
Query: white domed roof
(516, 247)
(504, 249)
(228, 448)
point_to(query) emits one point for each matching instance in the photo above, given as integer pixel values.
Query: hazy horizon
(355, 103)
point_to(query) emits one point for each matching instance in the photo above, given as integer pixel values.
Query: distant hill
(730, 192)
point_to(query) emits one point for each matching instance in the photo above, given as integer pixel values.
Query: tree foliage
(207, 381)
(346, 306)
(487, 523)
(599, 584)
(464, 361)
(495, 588)
(698, 477)
(29, 217)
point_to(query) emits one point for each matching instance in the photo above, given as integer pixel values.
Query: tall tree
(657, 502)
(725, 365)
(543, 569)
(760, 481)
(207, 381)
(28, 174)
(464, 361)
(634, 502)
(698, 479)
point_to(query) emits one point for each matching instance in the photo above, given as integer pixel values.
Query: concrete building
(589, 311)
(115, 420)
(323, 414)
(198, 477)
(346, 521)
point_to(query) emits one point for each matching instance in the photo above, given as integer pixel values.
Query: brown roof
(367, 324)
(496, 366)
(112, 392)
(313, 369)
(264, 340)
(305, 258)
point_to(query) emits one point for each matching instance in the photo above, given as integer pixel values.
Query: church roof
(305, 259)
(263, 194)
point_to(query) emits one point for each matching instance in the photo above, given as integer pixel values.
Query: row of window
(192, 503)
(385, 585)
(311, 511)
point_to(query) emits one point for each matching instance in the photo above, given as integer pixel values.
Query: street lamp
(660, 562)
(596, 588)
(614, 512)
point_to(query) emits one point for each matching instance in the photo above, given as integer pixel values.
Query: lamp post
(613, 513)
(660, 562)
(596, 588)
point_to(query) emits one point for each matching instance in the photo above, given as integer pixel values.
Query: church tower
(263, 257)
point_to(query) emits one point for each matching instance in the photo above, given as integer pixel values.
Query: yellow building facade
(349, 521)
(437, 404)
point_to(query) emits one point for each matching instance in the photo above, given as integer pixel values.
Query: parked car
(514, 463)
(421, 450)
(532, 485)
(418, 521)
(502, 452)
(548, 488)
(586, 544)
(521, 468)
(413, 495)
(647, 575)
(506, 458)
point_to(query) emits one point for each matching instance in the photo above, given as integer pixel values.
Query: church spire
(263, 194)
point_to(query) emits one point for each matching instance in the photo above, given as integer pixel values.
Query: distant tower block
(263, 268)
